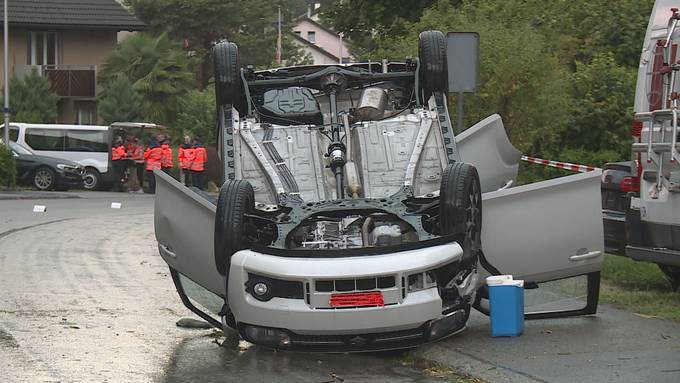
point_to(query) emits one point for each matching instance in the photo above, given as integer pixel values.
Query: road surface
(85, 297)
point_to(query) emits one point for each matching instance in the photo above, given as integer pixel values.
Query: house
(67, 41)
(324, 45)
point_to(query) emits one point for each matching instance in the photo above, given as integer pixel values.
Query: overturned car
(350, 218)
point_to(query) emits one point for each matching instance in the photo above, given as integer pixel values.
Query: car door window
(86, 141)
(13, 133)
(45, 139)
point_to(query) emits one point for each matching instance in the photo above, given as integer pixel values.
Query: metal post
(6, 76)
(278, 41)
(459, 112)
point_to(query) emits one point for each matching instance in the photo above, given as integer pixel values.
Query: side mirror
(462, 56)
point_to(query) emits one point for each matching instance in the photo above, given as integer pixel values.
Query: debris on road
(193, 323)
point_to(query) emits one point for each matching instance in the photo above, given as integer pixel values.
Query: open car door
(548, 233)
(184, 222)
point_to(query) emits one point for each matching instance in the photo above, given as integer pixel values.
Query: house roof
(316, 23)
(78, 14)
(314, 47)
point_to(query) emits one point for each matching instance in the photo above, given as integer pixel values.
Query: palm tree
(157, 68)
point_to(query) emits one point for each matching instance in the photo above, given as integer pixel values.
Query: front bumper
(405, 319)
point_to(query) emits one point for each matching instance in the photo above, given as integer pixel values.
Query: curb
(13, 196)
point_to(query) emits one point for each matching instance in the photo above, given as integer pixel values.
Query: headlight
(66, 167)
(265, 288)
(421, 281)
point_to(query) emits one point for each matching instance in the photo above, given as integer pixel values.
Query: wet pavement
(86, 297)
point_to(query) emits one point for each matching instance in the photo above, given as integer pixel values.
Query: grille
(362, 284)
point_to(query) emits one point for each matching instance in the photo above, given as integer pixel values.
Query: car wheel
(91, 179)
(44, 178)
(433, 68)
(236, 199)
(673, 275)
(460, 209)
(227, 74)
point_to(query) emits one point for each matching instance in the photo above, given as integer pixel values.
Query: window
(298, 33)
(42, 48)
(13, 133)
(86, 141)
(311, 37)
(85, 116)
(345, 60)
(45, 139)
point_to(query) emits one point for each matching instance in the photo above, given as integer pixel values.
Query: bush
(32, 99)
(8, 171)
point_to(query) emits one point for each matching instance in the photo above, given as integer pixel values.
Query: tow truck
(350, 217)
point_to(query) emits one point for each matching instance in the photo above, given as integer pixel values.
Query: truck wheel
(433, 68)
(673, 275)
(227, 74)
(460, 209)
(236, 199)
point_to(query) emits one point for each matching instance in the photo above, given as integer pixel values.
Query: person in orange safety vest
(166, 160)
(185, 156)
(153, 155)
(135, 165)
(118, 159)
(198, 165)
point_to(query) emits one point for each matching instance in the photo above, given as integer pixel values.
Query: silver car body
(539, 232)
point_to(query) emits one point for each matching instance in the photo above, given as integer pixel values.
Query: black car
(46, 173)
(617, 182)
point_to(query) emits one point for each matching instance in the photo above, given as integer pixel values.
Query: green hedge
(8, 171)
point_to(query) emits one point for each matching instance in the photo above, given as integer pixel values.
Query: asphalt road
(85, 297)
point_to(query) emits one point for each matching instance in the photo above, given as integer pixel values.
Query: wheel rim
(43, 179)
(473, 219)
(89, 181)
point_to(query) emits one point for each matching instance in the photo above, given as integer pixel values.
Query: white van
(87, 145)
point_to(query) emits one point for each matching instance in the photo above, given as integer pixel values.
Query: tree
(602, 93)
(197, 116)
(364, 21)
(119, 101)
(251, 24)
(519, 78)
(157, 68)
(32, 99)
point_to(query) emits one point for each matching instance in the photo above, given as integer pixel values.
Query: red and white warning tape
(560, 165)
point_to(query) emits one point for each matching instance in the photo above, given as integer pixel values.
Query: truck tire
(460, 209)
(673, 276)
(236, 199)
(433, 68)
(227, 74)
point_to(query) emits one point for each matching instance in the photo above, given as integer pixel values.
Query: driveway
(87, 298)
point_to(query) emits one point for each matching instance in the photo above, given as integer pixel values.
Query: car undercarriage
(350, 216)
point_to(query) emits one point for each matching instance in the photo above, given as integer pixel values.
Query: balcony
(67, 80)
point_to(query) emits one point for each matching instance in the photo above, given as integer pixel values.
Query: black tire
(44, 178)
(673, 276)
(236, 198)
(433, 68)
(460, 209)
(92, 179)
(227, 75)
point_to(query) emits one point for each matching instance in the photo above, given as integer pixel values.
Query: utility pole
(278, 41)
(5, 74)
